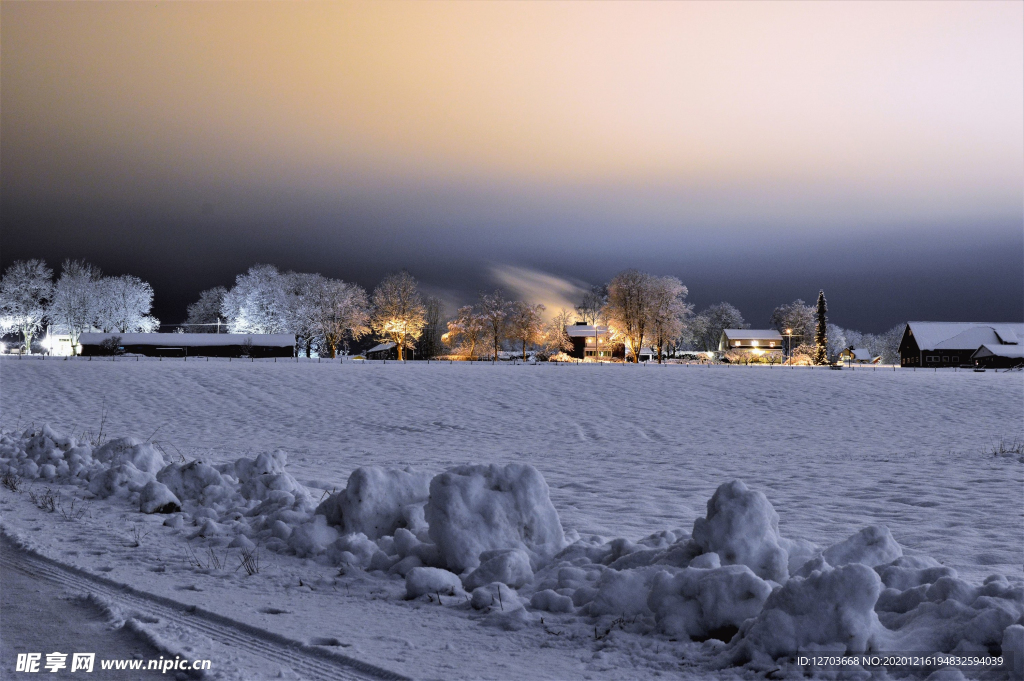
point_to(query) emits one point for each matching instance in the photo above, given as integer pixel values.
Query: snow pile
(378, 501)
(743, 528)
(489, 537)
(473, 509)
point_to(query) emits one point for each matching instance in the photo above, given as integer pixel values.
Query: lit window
(771, 344)
(754, 343)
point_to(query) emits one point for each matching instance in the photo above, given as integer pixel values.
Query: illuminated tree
(258, 302)
(25, 290)
(466, 330)
(821, 332)
(398, 311)
(125, 302)
(668, 312)
(495, 311)
(628, 310)
(556, 339)
(75, 306)
(333, 310)
(525, 324)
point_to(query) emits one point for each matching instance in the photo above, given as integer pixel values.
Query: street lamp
(789, 344)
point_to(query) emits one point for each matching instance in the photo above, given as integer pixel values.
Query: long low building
(999, 356)
(953, 344)
(189, 344)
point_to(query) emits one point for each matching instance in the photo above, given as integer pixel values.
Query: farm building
(754, 341)
(859, 356)
(999, 356)
(388, 350)
(952, 344)
(189, 344)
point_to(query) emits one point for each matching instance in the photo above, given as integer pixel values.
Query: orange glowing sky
(501, 129)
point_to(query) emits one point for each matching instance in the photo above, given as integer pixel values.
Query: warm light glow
(754, 343)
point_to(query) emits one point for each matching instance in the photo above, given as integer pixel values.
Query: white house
(753, 341)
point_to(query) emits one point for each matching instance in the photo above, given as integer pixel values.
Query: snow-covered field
(626, 451)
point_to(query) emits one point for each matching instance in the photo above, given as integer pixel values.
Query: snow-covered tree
(888, 345)
(669, 311)
(591, 304)
(398, 311)
(494, 311)
(465, 331)
(797, 316)
(706, 328)
(837, 341)
(821, 331)
(335, 310)
(556, 339)
(125, 302)
(25, 292)
(525, 324)
(75, 306)
(628, 310)
(204, 315)
(258, 302)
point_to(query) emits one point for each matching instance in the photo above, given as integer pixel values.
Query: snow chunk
(476, 508)
(702, 604)
(551, 601)
(428, 580)
(196, 481)
(312, 538)
(508, 566)
(144, 456)
(157, 498)
(871, 546)
(742, 528)
(832, 610)
(374, 501)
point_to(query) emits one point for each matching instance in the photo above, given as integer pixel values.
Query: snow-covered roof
(1009, 351)
(381, 348)
(581, 330)
(959, 335)
(191, 340)
(752, 334)
(863, 355)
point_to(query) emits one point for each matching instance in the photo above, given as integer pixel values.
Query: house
(191, 344)
(999, 356)
(859, 356)
(592, 342)
(388, 350)
(753, 341)
(953, 344)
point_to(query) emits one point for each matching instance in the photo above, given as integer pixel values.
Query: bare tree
(398, 311)
(466, 330)
(125, 304)
(25, 291)
(556, 339)
(495, 311)
(204, 315)
(75, 306)
(628, 310)
(336, 310)
(797, 316)
(668, 312)
(525, 324)
(591, 304)
(706, 328)
(433, 330)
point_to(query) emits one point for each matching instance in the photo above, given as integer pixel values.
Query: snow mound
(707, 603)
(155, 497)
(434, 581)
(871, 546)
(742, 528)
(508, 566)
(377, 501)
(486, 507)
(829, 611)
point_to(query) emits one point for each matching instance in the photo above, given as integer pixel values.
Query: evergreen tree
(821, 332)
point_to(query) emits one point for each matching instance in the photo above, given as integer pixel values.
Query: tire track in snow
(261, 649)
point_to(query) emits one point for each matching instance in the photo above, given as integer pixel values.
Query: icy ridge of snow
(492, 532)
